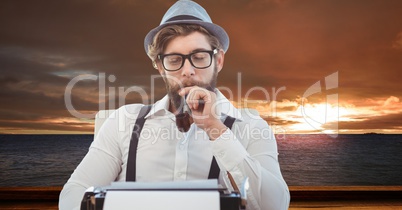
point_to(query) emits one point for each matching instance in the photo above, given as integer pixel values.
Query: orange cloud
(379, 115)
(397, 44)
(47, 126)
(274, 44)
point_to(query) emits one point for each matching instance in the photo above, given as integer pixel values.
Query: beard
(172, 89)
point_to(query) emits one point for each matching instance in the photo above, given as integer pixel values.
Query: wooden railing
(297, 192)
(345, 192)
(47, 197)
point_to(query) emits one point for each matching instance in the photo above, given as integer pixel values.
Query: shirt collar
(226, 107)
(161, 107)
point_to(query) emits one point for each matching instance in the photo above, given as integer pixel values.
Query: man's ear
(158, 67)
(220, 58)
(154, 65)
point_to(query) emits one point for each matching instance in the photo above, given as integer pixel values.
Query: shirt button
(221, 154)
(179, 174)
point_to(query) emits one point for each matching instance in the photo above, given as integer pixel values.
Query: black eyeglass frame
(188, 56)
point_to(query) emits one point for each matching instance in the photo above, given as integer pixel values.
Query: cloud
(274, 44)
(397, 43)
(390, 123)
(5, 80)
(45, 125)
(354, 116)
(277, 121)
(391, 101)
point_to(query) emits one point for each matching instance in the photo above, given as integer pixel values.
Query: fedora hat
(188, 12)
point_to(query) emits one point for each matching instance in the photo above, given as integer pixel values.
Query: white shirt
(165, 154)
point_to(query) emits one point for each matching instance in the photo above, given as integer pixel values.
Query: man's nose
(187, 69)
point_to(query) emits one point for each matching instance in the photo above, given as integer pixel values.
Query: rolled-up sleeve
(100, 166)
(249, 149)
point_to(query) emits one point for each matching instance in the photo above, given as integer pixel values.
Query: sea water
(305, 160)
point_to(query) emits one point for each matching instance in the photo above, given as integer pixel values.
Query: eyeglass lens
(198, 60)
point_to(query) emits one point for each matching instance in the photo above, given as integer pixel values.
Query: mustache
(184, 84)
(173, 91)
(190, 83)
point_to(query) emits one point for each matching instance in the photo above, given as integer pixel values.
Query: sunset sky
(317, 66)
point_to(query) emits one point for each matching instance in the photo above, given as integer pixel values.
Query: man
(188, 50)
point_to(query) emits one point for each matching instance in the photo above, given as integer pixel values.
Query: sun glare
(325, 117)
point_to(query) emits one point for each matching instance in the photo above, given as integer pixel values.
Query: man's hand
(208, 116)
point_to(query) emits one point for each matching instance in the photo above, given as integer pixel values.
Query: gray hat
(189, 12)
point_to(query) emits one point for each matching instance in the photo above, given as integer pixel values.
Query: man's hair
(170, 32)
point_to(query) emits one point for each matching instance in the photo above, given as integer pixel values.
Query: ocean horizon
(305, 159)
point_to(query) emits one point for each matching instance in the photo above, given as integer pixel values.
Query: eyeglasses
(200, 59)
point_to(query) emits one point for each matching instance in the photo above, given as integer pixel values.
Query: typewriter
(95, 197)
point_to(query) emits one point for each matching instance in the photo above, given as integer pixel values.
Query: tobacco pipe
(183, 118)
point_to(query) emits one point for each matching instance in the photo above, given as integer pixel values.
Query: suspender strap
(132, 152)
(214, 170)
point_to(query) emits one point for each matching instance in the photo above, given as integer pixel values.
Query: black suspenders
(132, 153)
(214, 170)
